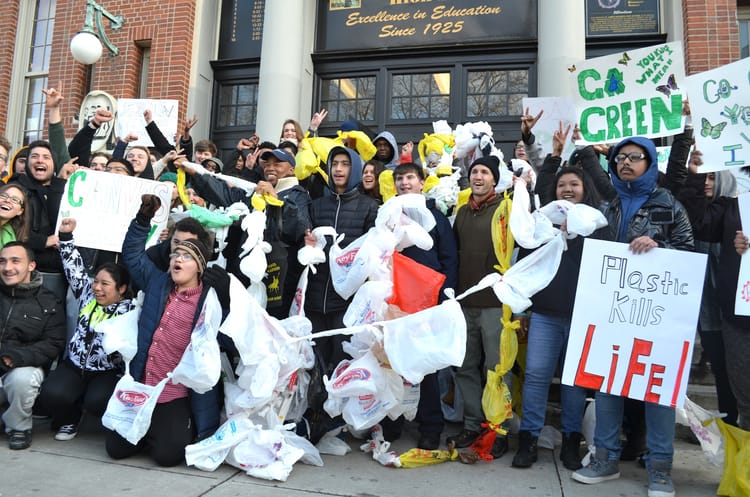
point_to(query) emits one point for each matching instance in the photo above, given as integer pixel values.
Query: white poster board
(103, 204)
(634, 321)
(742, 299)
(634, 93)
(556, 109)
(720, 108)
(130, 118)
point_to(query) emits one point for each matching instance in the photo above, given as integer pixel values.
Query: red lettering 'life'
(654, 381)
(640, 348)
(583, 378)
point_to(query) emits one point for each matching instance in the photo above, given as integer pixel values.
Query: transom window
(420, 96)
(238, 105)
(349, 98)
(496, 93)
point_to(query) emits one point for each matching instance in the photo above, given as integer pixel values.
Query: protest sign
(103, 204)
(130, 118)
(742, 299)
(720, 108)
(556, 109)
(634, 93)
(634, 322)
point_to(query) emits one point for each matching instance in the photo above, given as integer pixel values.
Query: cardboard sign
(130, 118)
(634, 321)
(742, 299)
(634, 93)
(103, 204)
(720, 108)
(556, 109)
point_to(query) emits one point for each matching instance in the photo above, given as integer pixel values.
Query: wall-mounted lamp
(86, 45)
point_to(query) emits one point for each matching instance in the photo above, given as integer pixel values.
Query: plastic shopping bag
(130, 407)
(415, 286)
(369, 303)
(209, 453)
(120, 333)
(735, 482)
(424, 342)
(200, 366)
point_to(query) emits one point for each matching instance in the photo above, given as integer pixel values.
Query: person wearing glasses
(645, 216)
(174, 301)
(14, 218)
(118, 165)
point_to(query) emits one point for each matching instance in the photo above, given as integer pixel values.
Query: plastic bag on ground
(549, 438)
(380, 448)
(332, 445)
(265, 454)
(209, 453)
(703, 425)
(735, 481)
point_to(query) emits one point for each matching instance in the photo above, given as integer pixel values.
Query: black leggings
(68, 391)
(171, 430)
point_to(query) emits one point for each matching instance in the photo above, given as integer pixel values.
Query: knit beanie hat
(489, 161)
(197, 250)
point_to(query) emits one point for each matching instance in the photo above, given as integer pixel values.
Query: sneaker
(429, 441)
(570, 454)
(499, 447)
(19, 439)
(463, 439)
(66, 432)
(659, 480)
(527, 450)
(599, 469)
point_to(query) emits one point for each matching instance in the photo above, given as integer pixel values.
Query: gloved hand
(149, 205)
(218, 279)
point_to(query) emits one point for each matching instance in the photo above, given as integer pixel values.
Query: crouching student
(173, 302)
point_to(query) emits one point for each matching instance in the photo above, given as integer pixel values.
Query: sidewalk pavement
(81, 467)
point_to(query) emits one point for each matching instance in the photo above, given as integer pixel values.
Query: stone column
(562, 42)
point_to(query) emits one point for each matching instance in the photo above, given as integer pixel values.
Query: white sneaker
(66, 432)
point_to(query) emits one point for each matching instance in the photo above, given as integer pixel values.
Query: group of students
(641, 207)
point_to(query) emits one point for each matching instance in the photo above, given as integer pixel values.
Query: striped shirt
(170, 340)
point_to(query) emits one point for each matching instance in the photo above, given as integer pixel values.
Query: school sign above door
(346, 25)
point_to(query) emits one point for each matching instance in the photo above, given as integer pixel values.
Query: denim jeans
(660, 422)
(548, 340)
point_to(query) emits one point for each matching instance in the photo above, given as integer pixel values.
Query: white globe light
(86, 48)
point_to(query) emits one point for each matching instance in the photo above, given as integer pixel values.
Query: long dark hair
(591, 196)
(375, 192)
(21, 224)
(119, 274)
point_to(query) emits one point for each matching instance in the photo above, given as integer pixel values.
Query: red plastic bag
(415, 286)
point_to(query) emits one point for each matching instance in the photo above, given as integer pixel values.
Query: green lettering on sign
(585, 130)
(583, 91)
(672, 119)
(80, 174)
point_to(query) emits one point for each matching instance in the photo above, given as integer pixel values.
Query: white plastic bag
(298, 303)
(426, 341)
(199, 368)
(703, 424)
(369, 303)
(353, 264)
(120, 333)
(209, 453)
(130, 407)
(265, 454)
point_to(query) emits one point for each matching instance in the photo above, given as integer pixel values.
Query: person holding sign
(549, 326)
(644, 216)
(85, 379)
(719, 220)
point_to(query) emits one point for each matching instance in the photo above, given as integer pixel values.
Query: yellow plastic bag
(736, 479)
(387, 185)
(417, 458)
(362, 143)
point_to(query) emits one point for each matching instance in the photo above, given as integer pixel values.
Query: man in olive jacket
(32, 335)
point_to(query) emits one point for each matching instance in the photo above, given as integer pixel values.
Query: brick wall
(711, 34)
(166, 24)
(8, 21)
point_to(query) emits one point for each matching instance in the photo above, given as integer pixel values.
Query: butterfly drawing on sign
(572, 68)
(669, 87)
(624, 60)
(712, 131)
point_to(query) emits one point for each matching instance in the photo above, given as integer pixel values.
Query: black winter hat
(489, 161)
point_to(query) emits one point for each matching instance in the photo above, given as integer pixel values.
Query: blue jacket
(156, 285)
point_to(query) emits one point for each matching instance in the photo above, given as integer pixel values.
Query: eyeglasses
(181, 256)
(13, 200)
(632, 156)
(116, 169)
